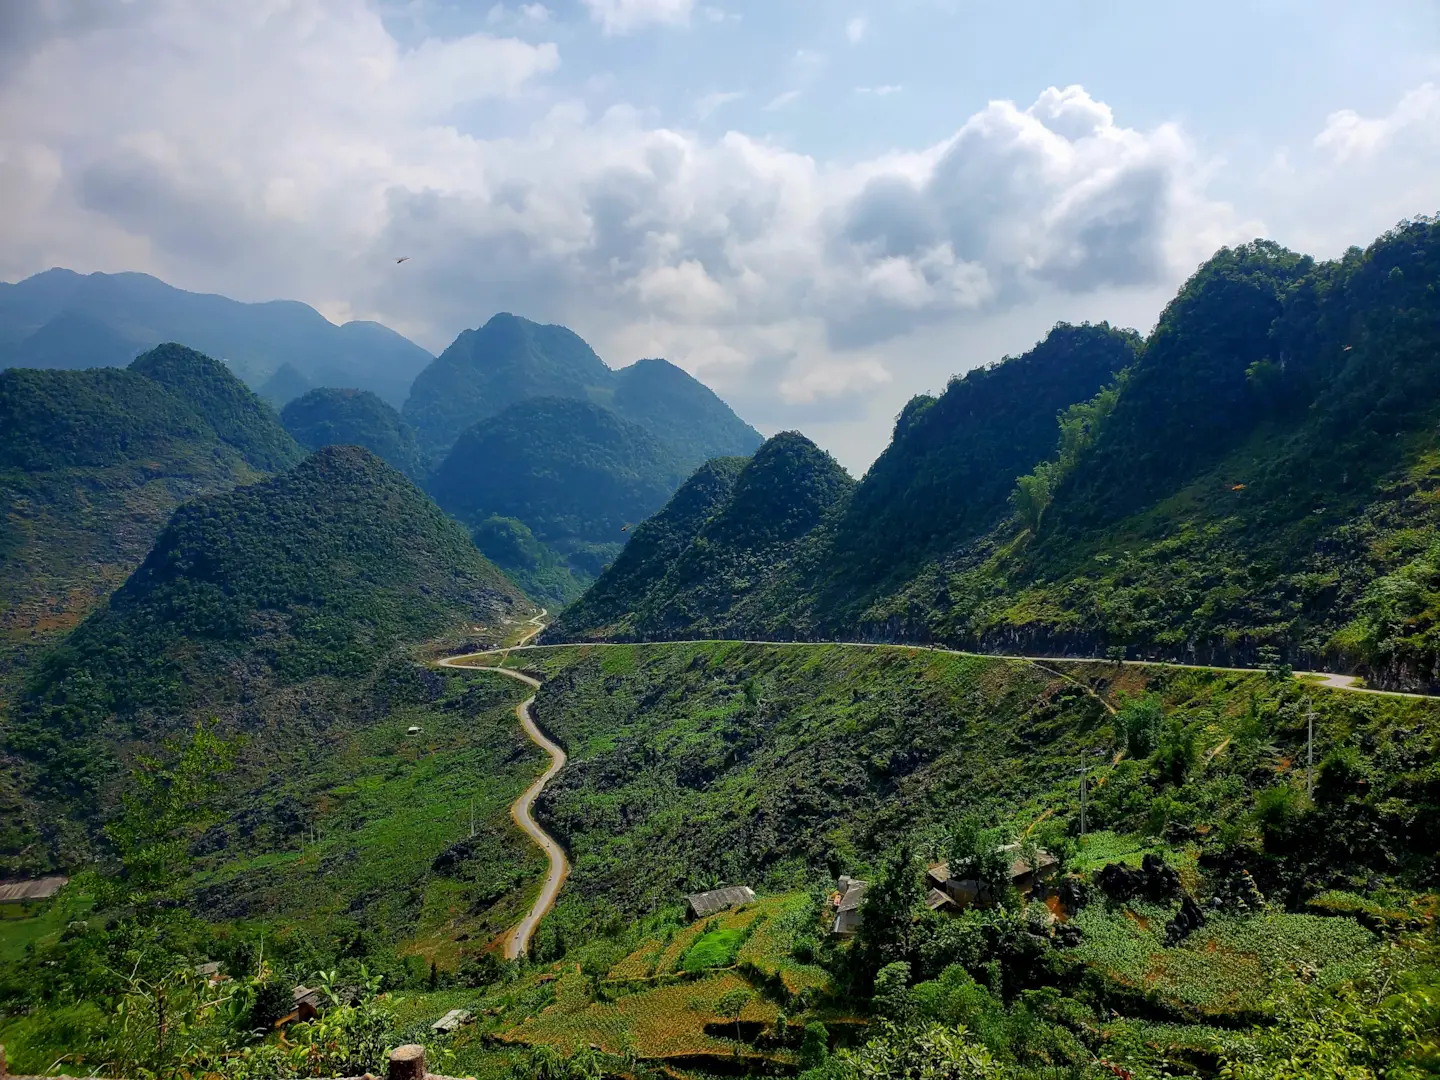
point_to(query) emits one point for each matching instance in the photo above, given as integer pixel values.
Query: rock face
(1186, 921)
(1155, 880)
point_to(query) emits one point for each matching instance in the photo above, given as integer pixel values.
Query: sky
(819, 208)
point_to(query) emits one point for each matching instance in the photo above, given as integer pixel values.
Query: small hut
(850, 896)
(702, 905)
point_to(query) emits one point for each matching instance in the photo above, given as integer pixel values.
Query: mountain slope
(756, 540)
(320, 571)
(576, 474)
(93, 462)
(328, 417)
(681, 411)
(1260, 477)
(60, 319)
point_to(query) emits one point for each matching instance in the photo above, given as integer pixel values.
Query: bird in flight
(402, 258)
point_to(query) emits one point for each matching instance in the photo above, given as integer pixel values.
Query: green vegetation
(751, 536)
(1257, 477)
(540, 573)
(575, 474)
(92, 463)
(320, 573)
(328, 417)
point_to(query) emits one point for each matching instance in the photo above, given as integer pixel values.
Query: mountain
(284, 386)
(93, 462)
(60, 319)
(511, 359)
(575, 473)
(485, 371)
(1257, 477)
(328, 417)
(752, 532)
(319, 572)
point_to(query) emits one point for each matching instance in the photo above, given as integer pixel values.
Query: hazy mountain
(60, 319)
(510, 359)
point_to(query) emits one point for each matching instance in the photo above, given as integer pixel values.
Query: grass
(715, 949)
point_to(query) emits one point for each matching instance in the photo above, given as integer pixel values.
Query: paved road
(518, 940)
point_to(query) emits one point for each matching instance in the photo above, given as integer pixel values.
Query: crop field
(666, 1022)
(768, 948)
(1230, 965)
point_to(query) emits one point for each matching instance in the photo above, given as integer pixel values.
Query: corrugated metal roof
(854, 895)
(708, 903)
(37, 889)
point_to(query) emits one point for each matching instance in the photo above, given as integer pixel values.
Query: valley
(1089, 733)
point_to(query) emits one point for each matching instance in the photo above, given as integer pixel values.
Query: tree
(815, 1048)
(887, 923)
(732, 1003)
(167, 806)
(975, 852)
(892, 992)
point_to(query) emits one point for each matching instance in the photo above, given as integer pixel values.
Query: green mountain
(575, 473)
(510, 359)
(1256, 478)
(93, 462)
(60, 319)
(321, 572)
(284, 386)
(541, 574)
(730, 543)
(327, 417)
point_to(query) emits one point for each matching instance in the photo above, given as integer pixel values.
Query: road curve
(517, 942)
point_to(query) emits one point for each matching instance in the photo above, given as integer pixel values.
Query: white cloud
(786, 282)
(710, 102)
(879, 91)
(626, 16)
(855, 30)
(1348, 135)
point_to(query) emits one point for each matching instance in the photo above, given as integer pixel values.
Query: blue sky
(819, 208)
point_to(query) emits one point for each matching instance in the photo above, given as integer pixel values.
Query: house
(936, 900)
(849, 898)
(451, 1021)
(966, 892)
(702, 905)
(211, 973)
(1025, 877)
(412, 731)
(35, 889)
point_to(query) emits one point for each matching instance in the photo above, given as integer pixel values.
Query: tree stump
(407, 1063)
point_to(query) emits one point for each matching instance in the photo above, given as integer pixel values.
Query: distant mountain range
(1258, 478)
(61, 319)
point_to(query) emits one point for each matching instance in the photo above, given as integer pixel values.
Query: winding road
(517, 942)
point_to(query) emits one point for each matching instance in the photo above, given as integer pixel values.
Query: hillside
(60, 319)
(1257, 478)
(575, 473)
(752, 537)
(93, 462)
(510, 359)
(328, 417)
(323, 571)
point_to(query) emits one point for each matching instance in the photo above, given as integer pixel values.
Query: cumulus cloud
(1349, 136)
(855, 30)
(626, 16)
(291, 149)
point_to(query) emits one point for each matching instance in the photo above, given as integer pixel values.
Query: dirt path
(518, 940)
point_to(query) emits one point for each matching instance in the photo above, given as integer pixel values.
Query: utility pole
(1084, 776)
(472, 817)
